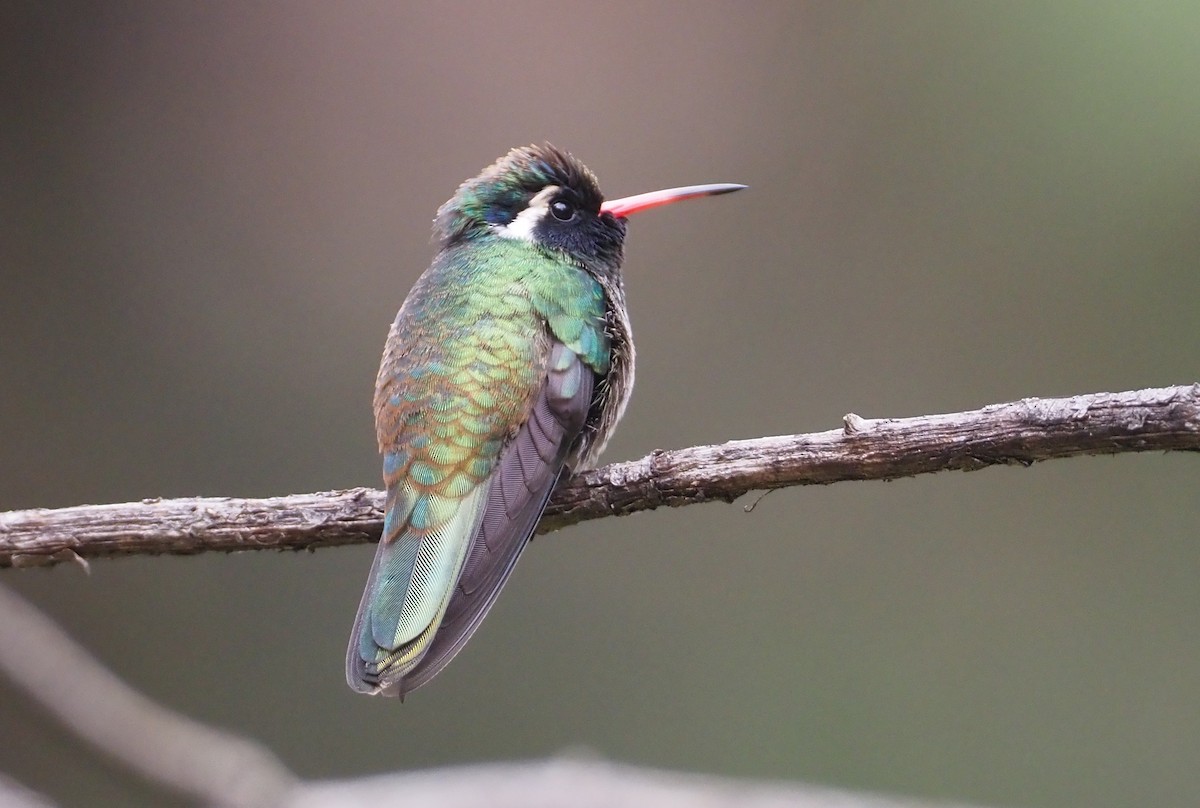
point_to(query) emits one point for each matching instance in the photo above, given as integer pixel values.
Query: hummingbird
(506, 370)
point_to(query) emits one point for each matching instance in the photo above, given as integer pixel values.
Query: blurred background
(210, 213)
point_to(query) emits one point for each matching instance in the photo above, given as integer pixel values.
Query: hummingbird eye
(562, 210)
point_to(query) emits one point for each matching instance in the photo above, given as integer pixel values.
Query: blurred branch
(223, 769)
(15, 795)
(1021, 432)
(580, 784)
(164, 747)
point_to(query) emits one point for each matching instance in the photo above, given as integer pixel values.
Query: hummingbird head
(544, 196)
(541, 195)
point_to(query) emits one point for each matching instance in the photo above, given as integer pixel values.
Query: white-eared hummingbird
(507, 369)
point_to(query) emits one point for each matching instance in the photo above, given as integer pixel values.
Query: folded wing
(443, 561)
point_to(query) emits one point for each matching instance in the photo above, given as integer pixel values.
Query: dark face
(572, 223)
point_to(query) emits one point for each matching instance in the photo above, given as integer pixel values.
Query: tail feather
(407, 592)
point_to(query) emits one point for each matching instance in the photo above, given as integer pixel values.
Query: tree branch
(227, 770)
(582, 784)
(1021, 432)
(164, 747)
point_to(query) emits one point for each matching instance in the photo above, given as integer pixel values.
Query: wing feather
(529, 468)
(405, 634)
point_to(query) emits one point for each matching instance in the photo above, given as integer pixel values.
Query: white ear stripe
(521, 228)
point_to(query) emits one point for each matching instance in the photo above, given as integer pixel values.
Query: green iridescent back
(467, 355)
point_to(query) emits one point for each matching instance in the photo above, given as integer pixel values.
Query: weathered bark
(1021, 432)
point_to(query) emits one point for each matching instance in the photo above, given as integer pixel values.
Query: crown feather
(503, 189)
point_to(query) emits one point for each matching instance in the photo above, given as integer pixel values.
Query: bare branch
(15, 795)
(1021, 432)
(228, 770)
(581, 784)
(218, 767)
